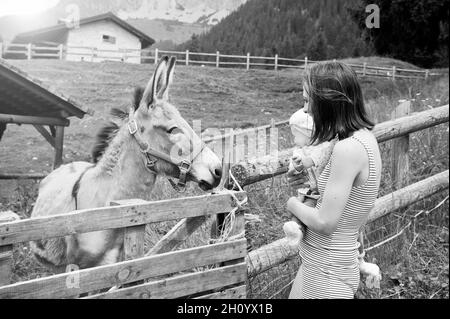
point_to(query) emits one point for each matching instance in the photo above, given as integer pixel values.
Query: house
(94, 39)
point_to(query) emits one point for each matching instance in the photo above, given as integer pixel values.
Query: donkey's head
(168, 141)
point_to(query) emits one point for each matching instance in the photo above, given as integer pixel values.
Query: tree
(411, 30)
(317, 47)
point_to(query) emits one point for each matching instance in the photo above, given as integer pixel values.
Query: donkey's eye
(171, 130)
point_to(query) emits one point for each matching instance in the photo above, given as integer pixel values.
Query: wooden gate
(211, 271)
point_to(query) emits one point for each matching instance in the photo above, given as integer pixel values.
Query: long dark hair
(336, 101)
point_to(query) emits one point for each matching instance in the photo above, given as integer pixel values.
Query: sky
(22, 7)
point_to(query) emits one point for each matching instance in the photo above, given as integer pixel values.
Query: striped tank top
(330, 262)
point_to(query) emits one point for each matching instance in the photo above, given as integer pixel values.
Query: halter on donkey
(151, 139)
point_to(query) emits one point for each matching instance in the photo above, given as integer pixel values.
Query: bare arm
(348, 160)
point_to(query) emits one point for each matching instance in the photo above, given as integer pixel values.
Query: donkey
(151, 139)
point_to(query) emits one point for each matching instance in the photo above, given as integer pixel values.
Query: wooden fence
(223, 277)
(258, 169)
(30, 51)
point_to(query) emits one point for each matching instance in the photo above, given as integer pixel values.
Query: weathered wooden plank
(133, 242)
(409, 195)
(183, 285)
(400, 148)
(177, 235)
(251, 142)
(6, 261)
(45, 134)
(268, 256)
(262, 142)
(256, 169)
(279, 251)
(93, 219)
(59, 145)
(412, 123)
(260, 168)
(239, 292)
(6, 176)
(237, 231)
(37, 120)
(125, 272)
(134, 236)
(6, 264)
(274, 147)
(239, 149)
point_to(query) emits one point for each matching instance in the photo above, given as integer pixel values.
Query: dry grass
(414, 266)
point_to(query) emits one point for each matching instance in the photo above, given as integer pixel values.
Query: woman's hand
(291, 203)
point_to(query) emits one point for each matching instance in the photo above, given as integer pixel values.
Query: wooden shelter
(25, 100)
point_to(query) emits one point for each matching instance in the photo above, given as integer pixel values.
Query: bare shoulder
(349, 151)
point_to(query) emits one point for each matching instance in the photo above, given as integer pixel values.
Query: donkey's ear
(150, 93)
(164, 92)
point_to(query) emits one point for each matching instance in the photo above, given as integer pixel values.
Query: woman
(348, 185)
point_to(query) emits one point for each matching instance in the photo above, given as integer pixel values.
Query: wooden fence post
(6, 264)
(156, 56)
(59, 140)
(1, 49)
(393, 73)
(93, 53)
(29, 51)
(427, 74)
(400, 147)
(217, 59)
(306, 62)
(187, 57)
(227, 163)
(248, 61)
(134, 236)
(276, 62)
(262, 142)
(61, 50)
(252, 138)
(6, 261)
(364, 68)
(240, 148)
(273, 139)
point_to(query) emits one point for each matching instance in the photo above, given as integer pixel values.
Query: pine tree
(317, 48)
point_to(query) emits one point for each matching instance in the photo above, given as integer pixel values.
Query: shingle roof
(21, 94)
(145, 39)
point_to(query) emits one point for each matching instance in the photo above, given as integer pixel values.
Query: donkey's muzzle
(205, 186)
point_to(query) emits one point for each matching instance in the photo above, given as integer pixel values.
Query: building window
(109, 39)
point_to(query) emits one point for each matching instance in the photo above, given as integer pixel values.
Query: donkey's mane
(107, 133)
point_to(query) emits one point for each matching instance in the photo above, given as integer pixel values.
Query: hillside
(320, 29)
(220, 98)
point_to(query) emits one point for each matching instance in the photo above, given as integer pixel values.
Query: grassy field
(414, 266)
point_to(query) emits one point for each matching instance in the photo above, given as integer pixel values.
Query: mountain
(190, 11)
(319, 29)
(174, 20)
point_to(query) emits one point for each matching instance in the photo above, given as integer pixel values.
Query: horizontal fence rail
(31, 51)
(183, 285)
(125, 272)
(115, 217)
(258, 169)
